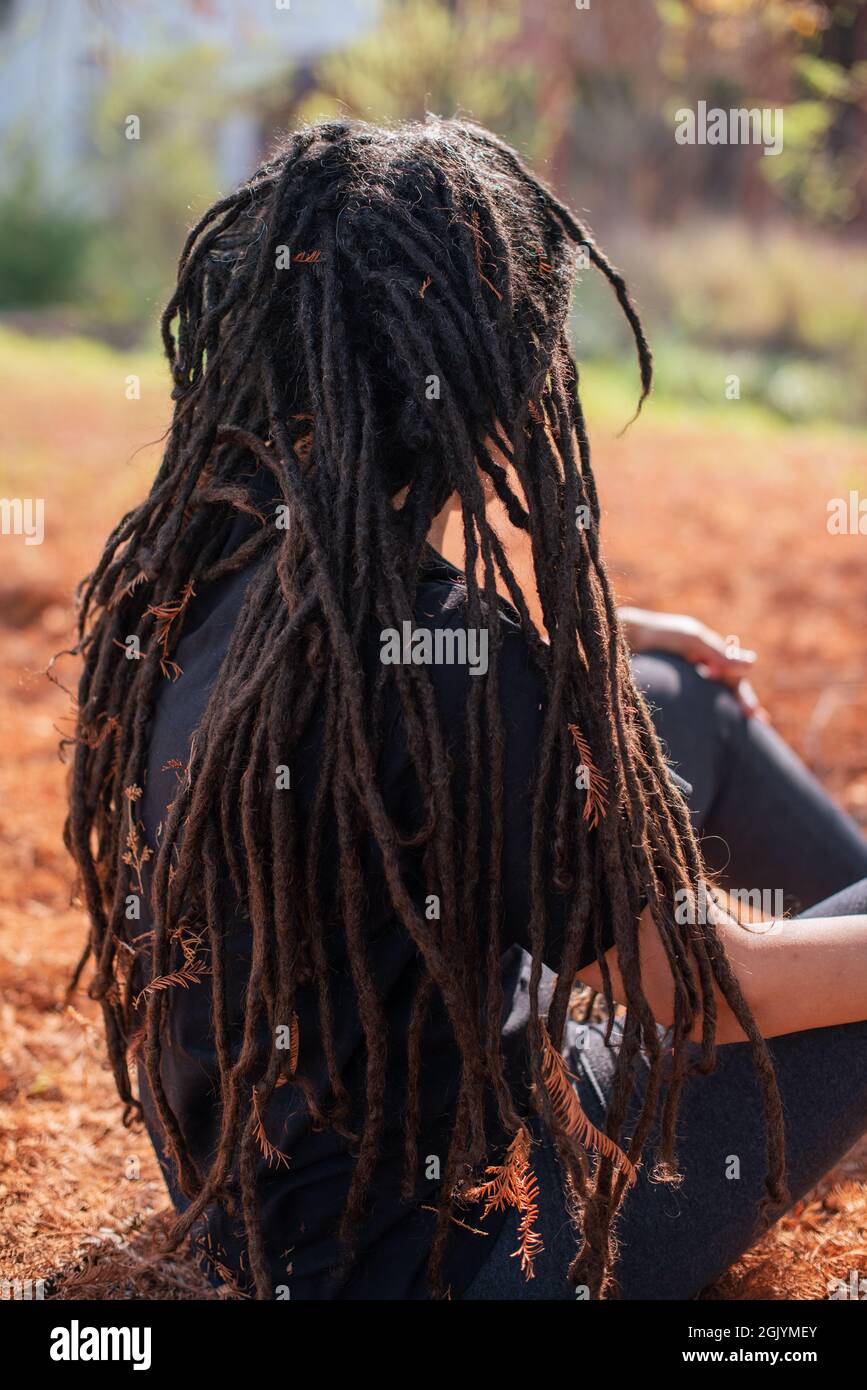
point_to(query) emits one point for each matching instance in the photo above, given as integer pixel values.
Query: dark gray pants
(765, 824)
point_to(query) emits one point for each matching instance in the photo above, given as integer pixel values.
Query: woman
(350, 823)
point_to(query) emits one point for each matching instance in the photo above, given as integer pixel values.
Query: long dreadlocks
(312, 307)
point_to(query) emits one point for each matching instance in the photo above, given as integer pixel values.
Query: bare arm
(798, 974)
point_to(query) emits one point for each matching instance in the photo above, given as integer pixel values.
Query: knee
(679, 692)
(699, 722)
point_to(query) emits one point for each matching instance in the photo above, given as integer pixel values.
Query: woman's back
(304, 1170)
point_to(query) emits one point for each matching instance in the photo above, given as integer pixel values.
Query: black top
(301, 1204)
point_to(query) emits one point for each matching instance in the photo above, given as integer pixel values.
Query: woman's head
(377, 321)
(412, 283)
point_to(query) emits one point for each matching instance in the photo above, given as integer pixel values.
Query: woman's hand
(719, 658)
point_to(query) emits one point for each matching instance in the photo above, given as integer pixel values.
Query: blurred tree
(825, 170)
(155, 177)
(430, 55)
(613, 76)
(43, 246)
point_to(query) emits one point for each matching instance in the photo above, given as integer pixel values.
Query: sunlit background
(743, 262)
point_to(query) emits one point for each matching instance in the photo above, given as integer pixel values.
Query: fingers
(724, 659)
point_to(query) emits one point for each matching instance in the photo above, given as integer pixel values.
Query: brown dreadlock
(425, 250)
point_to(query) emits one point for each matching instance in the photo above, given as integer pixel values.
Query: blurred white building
(56, 54)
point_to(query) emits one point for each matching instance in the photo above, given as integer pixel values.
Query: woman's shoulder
(460, 647)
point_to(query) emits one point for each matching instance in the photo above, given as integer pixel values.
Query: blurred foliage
(426, 56)
(115, 265)
(158, 184)
(784, 310)
(43, 246)
(729, 251)
(808, 57)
